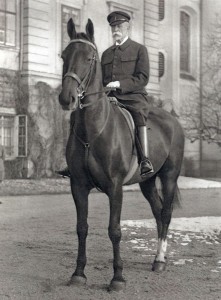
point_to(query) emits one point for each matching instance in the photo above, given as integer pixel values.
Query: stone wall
(45, 135)
(45, 125)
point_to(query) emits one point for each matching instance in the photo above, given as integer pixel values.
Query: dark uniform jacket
(129, 64)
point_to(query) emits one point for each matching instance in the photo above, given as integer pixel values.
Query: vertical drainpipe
(21, 36)
(200, 88)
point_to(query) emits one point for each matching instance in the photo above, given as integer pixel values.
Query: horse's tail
(177, 198)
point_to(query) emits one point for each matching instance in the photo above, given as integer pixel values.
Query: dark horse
(100, 150)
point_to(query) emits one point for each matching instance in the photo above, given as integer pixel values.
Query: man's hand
(114, 84)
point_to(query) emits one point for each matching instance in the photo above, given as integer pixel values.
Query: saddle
(130, 122)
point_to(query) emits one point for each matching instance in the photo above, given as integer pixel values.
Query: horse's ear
(90, 30)
(71, 29)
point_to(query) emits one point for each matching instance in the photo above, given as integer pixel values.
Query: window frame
(14, 136)
(25, 135)
(193, 73)
(187, 42)
(161, 10)
(65, 23)
(3, 137)
(15, 14)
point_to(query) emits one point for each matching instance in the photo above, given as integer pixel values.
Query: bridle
(84, 83)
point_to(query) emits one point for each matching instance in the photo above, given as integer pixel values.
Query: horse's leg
(150, 192)
(80, 195)
(114, 230)
(169, 187)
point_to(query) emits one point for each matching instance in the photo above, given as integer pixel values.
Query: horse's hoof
(77, 280)
(117, 286)
(159, 266)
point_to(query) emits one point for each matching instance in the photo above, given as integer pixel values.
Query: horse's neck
(90, 121)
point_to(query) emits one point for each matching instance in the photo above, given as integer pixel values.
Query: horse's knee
(114, 234)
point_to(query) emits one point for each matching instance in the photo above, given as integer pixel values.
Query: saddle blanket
(131, 126)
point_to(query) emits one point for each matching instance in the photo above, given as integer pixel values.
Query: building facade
(33, 127)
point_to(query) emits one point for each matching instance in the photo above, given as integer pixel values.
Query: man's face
(120, 31)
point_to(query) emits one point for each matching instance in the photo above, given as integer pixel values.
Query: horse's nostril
(73, 103)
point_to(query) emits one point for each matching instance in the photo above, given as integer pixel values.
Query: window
(22, 136)
(7, 22)
(161, 64)
(66, 14)
(161, 9)
(184, 42)
(7, 134)
(189, 43)
(13, 135)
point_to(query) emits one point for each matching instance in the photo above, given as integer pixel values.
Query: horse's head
(78, 65)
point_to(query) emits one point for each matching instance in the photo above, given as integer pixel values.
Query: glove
(114, 84)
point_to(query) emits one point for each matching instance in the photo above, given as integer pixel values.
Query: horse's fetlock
(118, 266)
(81, 262)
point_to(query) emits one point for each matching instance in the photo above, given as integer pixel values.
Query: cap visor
(117, 22)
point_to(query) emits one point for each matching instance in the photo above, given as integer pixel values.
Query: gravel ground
(42, 186)
(45, 186)
(38, 246)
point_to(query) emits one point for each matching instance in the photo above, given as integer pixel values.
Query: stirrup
(146, 167)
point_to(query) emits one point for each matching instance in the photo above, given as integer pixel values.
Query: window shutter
(184, 42)
(161, 64)
(22, 135)
(161, 10)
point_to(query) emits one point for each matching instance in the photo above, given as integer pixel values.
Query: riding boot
(146, 166)
(64, 173)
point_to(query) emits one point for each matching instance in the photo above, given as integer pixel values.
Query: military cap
(117, 17)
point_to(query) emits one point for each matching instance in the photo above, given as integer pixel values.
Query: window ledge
(187, 77)
(9, 48)
(9, 158)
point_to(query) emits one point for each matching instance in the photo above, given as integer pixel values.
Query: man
(125, 67)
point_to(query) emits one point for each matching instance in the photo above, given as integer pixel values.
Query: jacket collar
(123, 46)
(122, 42)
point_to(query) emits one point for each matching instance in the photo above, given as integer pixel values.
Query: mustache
(116, 33)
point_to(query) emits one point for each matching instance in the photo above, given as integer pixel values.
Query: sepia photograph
(110, 149)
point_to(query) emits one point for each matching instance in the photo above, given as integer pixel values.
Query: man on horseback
(125, 67)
